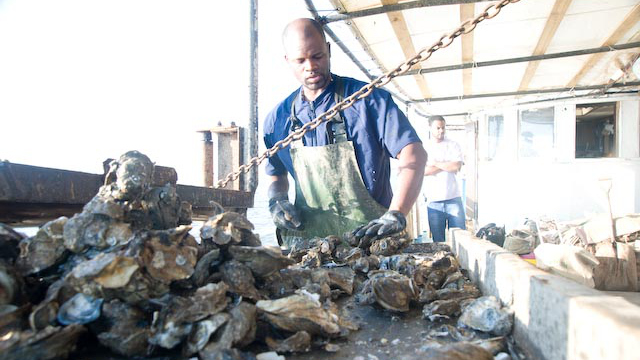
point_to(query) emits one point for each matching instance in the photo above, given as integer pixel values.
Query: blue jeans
(445, 214)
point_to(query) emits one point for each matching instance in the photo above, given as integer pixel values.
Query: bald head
(302, 29)
(308, 55)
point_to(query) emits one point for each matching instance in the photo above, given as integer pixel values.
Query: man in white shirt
(444, 203)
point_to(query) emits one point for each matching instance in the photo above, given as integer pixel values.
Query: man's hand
(391, 222)
(284, 214)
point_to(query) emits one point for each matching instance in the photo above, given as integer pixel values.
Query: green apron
(330, 193)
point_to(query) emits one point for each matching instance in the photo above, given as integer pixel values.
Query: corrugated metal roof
(384, 39)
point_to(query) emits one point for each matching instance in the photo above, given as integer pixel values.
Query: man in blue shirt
(342, 167)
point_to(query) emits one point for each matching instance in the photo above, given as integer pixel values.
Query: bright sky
(86, 80)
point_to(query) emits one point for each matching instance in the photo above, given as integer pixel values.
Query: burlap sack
(615, 273)
(568, 261)
(519, 242)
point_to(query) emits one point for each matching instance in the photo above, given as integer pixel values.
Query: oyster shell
(389, 245)
(240, 330)
(486, 314)
(263, 261)
(163, 206)
(130, 176)
(49, 343)
(240, 279)
(123, 328)
(80, 309)
(454, 351)
(390, 289)
(229, 228)
(43, 250)
(87, 230)
(203, 268)
(298, 342)
(300, 312)
(9, 240)
(202, 331)
(11, 285)
(441, 309)
(166, 256)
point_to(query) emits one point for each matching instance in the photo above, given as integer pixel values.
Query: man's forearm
(448, 166)
(412, 162)
(279, 185)
(431, 170)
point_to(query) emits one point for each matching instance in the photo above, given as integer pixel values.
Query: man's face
(309, 60)
(437, 130)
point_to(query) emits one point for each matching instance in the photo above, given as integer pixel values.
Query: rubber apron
(330, 193)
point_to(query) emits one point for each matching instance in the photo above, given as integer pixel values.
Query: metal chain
(465, 27)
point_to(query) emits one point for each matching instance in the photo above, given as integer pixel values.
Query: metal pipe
(395, 7)
(523, 59)
(526, 92)
(252, 141)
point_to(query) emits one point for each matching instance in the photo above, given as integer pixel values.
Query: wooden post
(207, 165)
(227, 154)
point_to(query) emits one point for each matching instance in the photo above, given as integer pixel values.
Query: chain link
(489, 12)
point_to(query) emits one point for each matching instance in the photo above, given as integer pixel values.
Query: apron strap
(336, 129)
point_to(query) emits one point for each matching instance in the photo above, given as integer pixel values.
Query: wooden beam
(344, 15)
(467, 11)
(553, 22)
(629, 21)
(400, 28)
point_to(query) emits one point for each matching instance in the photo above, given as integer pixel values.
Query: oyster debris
(202, 332)
(240, 330)
(441, 309)
(300, 312)
(240, 279)
(453, 351)
(49, 343)
(229, 228)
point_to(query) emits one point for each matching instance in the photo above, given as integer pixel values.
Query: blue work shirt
(375, 125)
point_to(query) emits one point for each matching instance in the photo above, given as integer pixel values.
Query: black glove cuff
(277, 197)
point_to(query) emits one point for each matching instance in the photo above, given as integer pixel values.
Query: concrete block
(554, 318)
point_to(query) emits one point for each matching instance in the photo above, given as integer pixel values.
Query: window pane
(536, 138)
(495, 134)
(596, 130)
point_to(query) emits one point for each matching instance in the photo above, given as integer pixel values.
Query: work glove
(391, 222)
(284, 214)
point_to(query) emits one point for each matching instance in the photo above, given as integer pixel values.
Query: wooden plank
(36, 194)
(400, 28)
(467, 11)
(553, 22)
(629, 21)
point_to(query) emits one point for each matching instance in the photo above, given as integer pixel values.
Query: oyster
(240, 330)
(130, 176)
(486, 314)
(50, 343)
(11, 285)
(454, 351)
(43, 250)
(263, 261)
(80, 309)
(389, 245)
(229, 228)
(123, 328)
(441, 309)
(167, 257)
(203, 267)
(202, 331)
(298, 342)
(163, 206)
(390, 289)
(240, 279)
(9, 240)
(300, 312)
(87, 230)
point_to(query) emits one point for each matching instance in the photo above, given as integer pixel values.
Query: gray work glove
(284, 214)
(391, 222)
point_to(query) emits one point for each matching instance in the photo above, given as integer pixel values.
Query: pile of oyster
(127, 273)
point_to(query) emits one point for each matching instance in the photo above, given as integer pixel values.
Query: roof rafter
(553, 22)
(400, 28)
(629, 21)
(467, 11)
(393, 7)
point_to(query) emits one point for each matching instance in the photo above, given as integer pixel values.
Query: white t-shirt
(443, 185)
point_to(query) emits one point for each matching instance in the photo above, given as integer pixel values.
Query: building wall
(564, 188)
